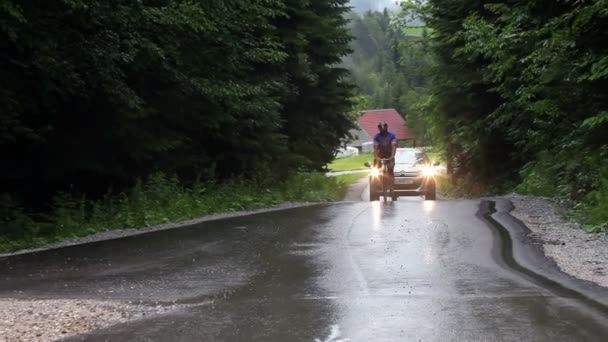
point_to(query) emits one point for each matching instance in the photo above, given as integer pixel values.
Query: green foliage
(390, 64)
(593, 211)
(538, 178)
(314, 187)
(345, 181)
(435, 154)
(157, 200)
(350, 163)
(518, 96)
(360, 104)
(349, 179)
(319, 95)
(416, 31)
(388, 59)
(99, 94)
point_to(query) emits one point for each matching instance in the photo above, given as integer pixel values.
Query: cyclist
(385, 147)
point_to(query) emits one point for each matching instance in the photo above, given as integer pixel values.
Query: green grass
(416, 31)
(351, 163)
(160, 199)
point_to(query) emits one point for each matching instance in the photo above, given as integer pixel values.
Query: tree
(98, 94)
(319, 94)
(391, 67)
(519, 86)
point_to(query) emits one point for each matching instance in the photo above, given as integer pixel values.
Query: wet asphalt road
(397, 271)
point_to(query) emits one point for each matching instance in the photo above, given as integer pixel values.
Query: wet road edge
(120, 233)
(514, 250)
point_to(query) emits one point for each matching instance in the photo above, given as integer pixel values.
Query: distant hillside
(388, 71)
(362, 6)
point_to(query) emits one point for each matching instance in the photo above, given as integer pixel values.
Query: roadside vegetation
(518, 99)
(99, 94)
(513, 96)
(416, 31)
(350, 179)
(158, 199)
(103, 101)
(350, 163)
(389, 65)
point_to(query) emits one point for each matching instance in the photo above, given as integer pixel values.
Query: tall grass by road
(350, 163)
(159, 199)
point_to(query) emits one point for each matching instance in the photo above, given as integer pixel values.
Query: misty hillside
(361, 6)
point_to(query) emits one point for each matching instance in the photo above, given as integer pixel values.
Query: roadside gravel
(51, 320)
(582, 255)
(576, 252)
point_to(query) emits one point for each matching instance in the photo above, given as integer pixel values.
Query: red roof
(396, 124)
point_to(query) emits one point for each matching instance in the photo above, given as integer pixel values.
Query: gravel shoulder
(582, 255)
(576, 252)
(51, 320)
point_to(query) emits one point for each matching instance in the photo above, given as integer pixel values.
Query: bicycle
(386, 181)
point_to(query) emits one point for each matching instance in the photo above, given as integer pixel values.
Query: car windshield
(408, 157)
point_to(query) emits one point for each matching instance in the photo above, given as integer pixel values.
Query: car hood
(407, 168)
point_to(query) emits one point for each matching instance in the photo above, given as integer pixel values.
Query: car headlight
(428, 171)
(375, 173)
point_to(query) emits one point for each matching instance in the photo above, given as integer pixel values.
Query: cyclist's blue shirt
(385, 143)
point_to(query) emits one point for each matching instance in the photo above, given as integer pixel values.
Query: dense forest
(390, 65)
(518, 97)
(513, 93)
(97, 93)
(128, 113)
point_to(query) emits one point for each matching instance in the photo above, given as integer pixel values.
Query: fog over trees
(362, 6)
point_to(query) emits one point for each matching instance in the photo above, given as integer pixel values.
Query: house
(367, 128)
(361, 140)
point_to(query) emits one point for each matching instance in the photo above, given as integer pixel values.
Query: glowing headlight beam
(375, 172)
(429, 171)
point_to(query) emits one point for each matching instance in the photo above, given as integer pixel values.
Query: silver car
(414, 176)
